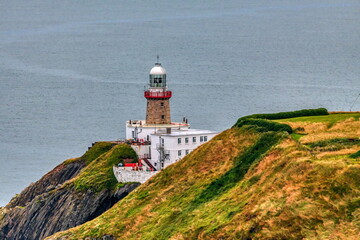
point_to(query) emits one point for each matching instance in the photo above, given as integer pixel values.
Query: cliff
(257, 180)
(73, 193)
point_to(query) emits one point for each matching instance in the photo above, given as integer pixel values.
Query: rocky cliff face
(48, 182)
(58, 210)
(53, 203)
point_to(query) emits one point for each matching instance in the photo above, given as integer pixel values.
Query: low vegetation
(96, 150)
(98, 175)
(334, 144)
(262, 125)
(330, 119)
(249, 184)
(355, 155)
(242, 163)
(292, 114)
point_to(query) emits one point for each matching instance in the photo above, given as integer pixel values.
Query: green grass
(98, 175)
(242, 165)
(95, 151)
(355, 155)
(334, 144)
(297, 136)
(291, 114)
(239, 186)
(332, 118)
(223, 184)
(263, 125)
(351, 207)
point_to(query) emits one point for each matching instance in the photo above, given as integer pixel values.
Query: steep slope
(249, 183)
(75, 192)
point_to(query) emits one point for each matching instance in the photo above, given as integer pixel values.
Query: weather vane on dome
(157, 58)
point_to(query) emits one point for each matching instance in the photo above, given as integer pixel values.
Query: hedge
(260, 119)
(264, 124)
(283, 115)
(355, 155)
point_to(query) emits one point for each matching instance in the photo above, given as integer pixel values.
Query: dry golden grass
(319, 131)
(341, 152)
(290, 202)
(179, 181)
(293, 192)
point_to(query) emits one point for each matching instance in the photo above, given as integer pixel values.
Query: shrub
(334, 144)
(99, 175)
(96, 150)
(265, 125)
(355, 155)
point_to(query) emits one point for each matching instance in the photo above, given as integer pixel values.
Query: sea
(72, 72)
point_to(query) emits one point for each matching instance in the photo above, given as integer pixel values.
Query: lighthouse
(157, 141)
(158, 97)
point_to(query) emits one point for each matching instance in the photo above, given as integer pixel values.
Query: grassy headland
(253, 181)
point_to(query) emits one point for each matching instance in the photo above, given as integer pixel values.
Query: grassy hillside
(98, 173)
(74, 192)
(249, 183)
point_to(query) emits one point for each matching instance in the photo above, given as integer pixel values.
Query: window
(194, 139)
(201, 138)
(186, 140)
(186, 152)
(162, 104)
(162, 141)
(179, 153)
(205, 138)
(133, 134)
(179, 140)
(162, 116)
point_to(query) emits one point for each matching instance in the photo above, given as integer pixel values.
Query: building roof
(157, 70)
(184, 132)
(143, 124)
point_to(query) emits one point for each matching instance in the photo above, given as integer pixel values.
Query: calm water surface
(72, 72)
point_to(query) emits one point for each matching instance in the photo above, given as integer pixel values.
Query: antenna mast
(354, 102)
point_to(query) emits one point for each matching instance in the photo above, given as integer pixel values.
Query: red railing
(166, 94)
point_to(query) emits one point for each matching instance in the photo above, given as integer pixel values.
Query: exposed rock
(52, 204)
(59, 210)
(57, 176)
(125, 190)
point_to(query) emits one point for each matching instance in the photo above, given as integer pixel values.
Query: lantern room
(157, 76)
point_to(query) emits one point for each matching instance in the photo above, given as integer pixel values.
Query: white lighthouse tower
(157, 141)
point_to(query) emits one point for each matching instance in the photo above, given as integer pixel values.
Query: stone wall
(123, 174)
(158, 111)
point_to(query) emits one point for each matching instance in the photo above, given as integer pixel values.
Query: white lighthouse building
(157, 141)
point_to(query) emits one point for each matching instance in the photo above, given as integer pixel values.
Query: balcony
(165, 94)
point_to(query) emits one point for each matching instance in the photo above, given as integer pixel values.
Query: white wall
(123, 174)
(154, 152)
(143, 132)
(171, 144)
(141, 150)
